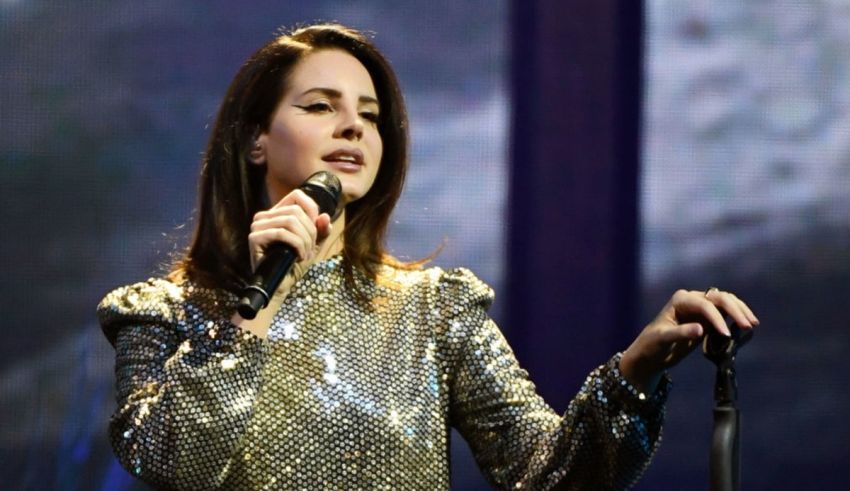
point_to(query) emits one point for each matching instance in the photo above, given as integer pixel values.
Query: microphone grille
(325, 189)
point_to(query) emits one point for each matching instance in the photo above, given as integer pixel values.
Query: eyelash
(324, 106)
(316, 107)
(371, 117)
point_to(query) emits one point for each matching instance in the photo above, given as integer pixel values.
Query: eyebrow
(335, 94)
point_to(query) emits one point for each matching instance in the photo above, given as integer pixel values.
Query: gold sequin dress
(342, 396)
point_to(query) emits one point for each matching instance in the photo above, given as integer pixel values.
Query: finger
(695, 303)
(266, 237)
(300, 198)
(281, 217)
(749, 313)
(677, 340)
(729, 304)
(292, 218)
(742, 307)
(303, 240)
(691, 330)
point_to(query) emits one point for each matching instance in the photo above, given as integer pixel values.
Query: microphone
(325, 189)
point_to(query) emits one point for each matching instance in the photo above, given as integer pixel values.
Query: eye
(317, 107)
(370, 116)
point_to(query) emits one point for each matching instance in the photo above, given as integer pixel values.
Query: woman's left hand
(677, 330)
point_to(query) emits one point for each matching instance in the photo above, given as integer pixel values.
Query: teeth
(346, 158)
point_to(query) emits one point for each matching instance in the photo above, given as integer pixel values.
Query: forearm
(604, 440)
(610, 431)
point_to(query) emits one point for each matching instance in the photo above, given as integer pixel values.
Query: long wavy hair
(232, 189)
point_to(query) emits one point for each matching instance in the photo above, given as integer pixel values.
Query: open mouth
(345, 158)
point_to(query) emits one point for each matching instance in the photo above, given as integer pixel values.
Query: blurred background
(584, 159)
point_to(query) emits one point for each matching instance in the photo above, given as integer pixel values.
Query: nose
(351, 127)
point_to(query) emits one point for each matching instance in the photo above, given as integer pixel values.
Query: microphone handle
(277, 262)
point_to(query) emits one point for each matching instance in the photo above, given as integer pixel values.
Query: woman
(354, 373)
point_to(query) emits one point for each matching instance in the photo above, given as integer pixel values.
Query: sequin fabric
(342, 396)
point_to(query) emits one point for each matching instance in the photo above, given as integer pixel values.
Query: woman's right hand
(294, 220)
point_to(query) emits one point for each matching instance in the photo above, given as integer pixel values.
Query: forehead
(332, 69)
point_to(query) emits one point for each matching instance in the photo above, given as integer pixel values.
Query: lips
(352, 158)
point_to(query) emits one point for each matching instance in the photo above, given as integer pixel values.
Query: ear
(258, 151)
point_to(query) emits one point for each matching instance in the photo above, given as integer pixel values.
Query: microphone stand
(725, 458)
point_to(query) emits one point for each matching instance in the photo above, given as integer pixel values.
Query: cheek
(291, 139)
(291, 147)
(377, 147)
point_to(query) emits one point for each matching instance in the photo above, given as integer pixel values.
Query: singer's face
(326, 120)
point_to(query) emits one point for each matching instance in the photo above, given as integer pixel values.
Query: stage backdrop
(746, 185)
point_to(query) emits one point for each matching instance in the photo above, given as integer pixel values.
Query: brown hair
(232, 190)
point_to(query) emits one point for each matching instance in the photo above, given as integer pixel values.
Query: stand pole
(725, 457)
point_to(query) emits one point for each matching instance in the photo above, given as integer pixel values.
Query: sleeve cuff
(610, 383)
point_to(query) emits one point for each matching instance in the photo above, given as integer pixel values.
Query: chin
(351, 191)
(348, 198)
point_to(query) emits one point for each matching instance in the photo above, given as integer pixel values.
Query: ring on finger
(711, 289)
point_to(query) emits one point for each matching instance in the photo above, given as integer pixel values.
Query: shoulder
(152, 298)
(455, 285)
(155, 301)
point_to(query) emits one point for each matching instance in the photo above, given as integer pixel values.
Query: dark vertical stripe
(572, 240)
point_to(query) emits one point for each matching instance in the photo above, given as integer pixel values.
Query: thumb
(323, 227)
(682, 332)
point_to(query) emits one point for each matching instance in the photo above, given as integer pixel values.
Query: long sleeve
(604, 440)
(186, 384)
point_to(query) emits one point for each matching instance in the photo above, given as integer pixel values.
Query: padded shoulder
(460, 286)
(155, 301)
